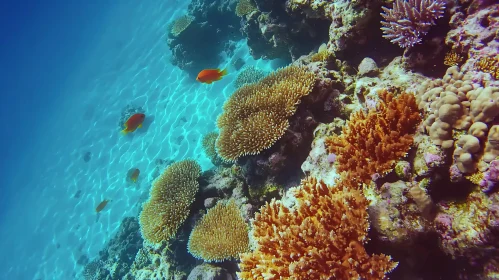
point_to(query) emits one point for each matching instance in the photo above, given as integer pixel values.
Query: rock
(209, 272)
(368, 67)
(210, 202)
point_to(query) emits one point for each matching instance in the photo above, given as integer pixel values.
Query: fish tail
(124, 131)
(223, 72)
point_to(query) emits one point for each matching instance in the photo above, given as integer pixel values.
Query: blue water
(68, 69)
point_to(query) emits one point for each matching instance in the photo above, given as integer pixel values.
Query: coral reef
(322, 236)
(245, 7)
(220, 235)
(170, 199)
(180, 24)
(409, 20)
(256, 115)
(117, 257)
(371, 143)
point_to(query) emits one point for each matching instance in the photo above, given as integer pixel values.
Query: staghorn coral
(180, 24)
(245, 7)
(248, 76)
(169, 202)
(256, 115)
(371, 143)
(409, 20)
(220, 235)
(321, 237)
(208, 143)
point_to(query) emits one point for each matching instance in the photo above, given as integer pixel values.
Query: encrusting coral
(171, 197)
(220, 235)
(408, 20)
(321, 237)
(371, 143)
(180, 24)
(256, 115)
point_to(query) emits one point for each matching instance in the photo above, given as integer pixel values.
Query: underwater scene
(250, 139)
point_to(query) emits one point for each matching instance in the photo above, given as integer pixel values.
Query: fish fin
(223, 72)
(140, 125)
(209, 82)
(124, 132)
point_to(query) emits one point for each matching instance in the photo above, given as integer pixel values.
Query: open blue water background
(67, 70)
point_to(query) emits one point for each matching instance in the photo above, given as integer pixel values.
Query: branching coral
(489, 65)
(208, 143)
(256, 115)
(245, 7)
(322, 237)
(181, 24)
(409, 20)
(171, 197)
(220, 235)
(371, 143)
(248, 76)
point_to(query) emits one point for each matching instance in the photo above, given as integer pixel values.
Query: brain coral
(180, 24)
(256, 115)
(322, 237)
(171, 196)
(220, 235)
(371, 143)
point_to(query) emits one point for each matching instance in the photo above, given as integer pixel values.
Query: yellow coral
(171, 197)
(208, 143)
(245, 7)
(489, 65)
(220, 235)
(256, 115)
(452, 58)
(322, 237)
(475, 178)
(180, 24)
(371, 143)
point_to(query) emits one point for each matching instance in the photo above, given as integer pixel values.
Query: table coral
(321, 237)
(256, 115)
(180, 24)
(220, 235)
(171, 197)
(208, 144)
(371, 143)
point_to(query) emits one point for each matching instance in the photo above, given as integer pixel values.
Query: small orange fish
(101, 205)
(208, 76)
(134, 122)
(133, 174)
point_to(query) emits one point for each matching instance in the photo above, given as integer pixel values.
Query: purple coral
(490, 177)
(408, 20)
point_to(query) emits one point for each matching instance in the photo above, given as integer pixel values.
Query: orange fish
(208, 76)
(101, 205)
(133, 174)
(134, 122)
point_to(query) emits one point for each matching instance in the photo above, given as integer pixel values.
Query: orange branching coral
(321, 237)
(371, 143)
(256, 115)
(171, 197)
(220, 235)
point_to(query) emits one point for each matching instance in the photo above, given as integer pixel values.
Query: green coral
(180, 24)
(264, 193)
(208, 143)
(248, 76)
